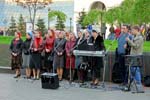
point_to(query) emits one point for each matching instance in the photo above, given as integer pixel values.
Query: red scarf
(49, 43)
(37, 42)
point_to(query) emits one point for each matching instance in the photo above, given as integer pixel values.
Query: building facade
(8, 9)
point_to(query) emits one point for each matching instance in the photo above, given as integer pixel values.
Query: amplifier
(49, 81)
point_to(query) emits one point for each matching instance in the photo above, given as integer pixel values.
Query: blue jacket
(122, 41)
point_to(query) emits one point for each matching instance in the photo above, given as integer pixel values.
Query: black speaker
(49, 81)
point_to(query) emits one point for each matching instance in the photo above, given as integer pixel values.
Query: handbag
(51, 57)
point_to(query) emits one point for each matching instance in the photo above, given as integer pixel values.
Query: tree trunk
(30, 13)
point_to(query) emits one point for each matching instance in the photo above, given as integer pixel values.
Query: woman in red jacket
(36, 49)
(48, 49)
(70, 58)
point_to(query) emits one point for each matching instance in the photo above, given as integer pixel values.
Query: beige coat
(136, 49)
(136, 45)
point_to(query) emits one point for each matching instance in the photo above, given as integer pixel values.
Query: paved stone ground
(24, 89)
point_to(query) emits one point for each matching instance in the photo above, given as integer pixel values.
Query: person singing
(59, 54)
(98, 43)
(79, 59)
(16, 51)
(136, 49)
(122, 50)
(36, 49)
(48, 49)
(26, 53)
(70, 58)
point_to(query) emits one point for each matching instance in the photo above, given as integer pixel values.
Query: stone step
(6, 70)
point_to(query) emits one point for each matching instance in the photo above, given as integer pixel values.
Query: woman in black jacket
(16, 51)
(59, 54)
(26, 53)
(97, 63)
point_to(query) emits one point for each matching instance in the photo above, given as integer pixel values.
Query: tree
(41, 26)
(130, 11)
(141, 11)
(82, 16)
(33, 6)
(93, 16)
(112, 15)
(60, 24)
(12, 27)
(21, 25)
(60, 17)
(120, 14)
(126, 15)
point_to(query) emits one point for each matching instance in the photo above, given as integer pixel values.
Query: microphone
(81, 42)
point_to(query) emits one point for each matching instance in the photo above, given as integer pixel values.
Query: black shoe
(123, 84)
(96, 84)
(92, 83)
(17, 76)
(28, 77)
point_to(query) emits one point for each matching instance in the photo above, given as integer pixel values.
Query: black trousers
(97, 65)
(122, 67)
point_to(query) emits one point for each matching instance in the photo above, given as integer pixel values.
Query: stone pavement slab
(24, 89)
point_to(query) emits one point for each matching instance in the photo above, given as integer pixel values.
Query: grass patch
(111, 45)
(7, 39)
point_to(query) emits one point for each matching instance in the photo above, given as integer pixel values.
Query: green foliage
(21, 25)
(112, 15)
(60, 17)
(141, 11)
(41, 26)
(130, 11)
(12, 27)
(81, 18)
(126, 11)
(60, 24)
(92, 17)
(57, 14)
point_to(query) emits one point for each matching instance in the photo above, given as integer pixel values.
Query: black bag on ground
(49, 81)
(117, 76)
(147, 81)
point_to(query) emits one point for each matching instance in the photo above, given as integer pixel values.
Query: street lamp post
(48, 18)
(70, 23)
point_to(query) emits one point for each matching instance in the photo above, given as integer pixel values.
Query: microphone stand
(70, 71)
(70, 67)
(105, 60)
(71, 51)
